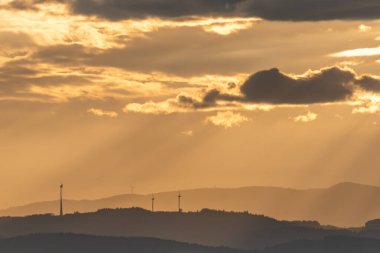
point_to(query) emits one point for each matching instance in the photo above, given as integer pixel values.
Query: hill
(64, 243)
(211, 228)
(344, 205)
(73, 243)
(328, 245)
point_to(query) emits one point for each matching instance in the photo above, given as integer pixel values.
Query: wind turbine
(179, 202)
(153, 203)
(61, 200)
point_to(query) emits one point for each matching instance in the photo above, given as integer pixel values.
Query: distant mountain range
(344, 205)
(64, 243)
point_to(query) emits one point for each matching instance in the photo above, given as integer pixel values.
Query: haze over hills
(344, 205)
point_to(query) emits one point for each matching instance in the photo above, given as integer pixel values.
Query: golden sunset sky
(167, 95)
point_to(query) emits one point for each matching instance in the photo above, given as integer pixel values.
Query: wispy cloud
(305, 118)
(364, 28)
(360, 52)
(372, 109)
(226, 119)
(367, 104)
(103, 113)
(188, 133)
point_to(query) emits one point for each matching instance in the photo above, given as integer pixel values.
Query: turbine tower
(152, 203)
(61, 200)
(179, 202)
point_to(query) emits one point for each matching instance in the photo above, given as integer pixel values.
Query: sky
(157, 95)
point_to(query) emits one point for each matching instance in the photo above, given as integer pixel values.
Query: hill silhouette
(208, 227)
(328, 245)
(74, 243)
(64, 243)
(344, 205)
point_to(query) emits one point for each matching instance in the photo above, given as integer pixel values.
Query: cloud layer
(272, 87)
(328, 85)
(290, 10)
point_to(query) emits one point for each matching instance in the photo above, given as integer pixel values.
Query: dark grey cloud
(126, 9)
(369, 83)
(213, 95)
(209, 99)
(313, 10)
(290, 10)
(273, 87)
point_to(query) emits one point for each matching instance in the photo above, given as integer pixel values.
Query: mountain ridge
(282, 203)
(208, 227)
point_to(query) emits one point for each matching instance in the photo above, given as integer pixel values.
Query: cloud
(10, 39)
(173, 50)
(226, 119)
(188, 133)
(102, 113)
(359, 52)
(263, 88)
(289, 10)
(367, 104)
(48, 76)
(369, 83)
(26, 79)
(267, 89)
(272, 86)
(364, 28)
(308, 117)
(371, 109)
(301, 10)
(151, 108)
(182, 103)
(328, 85)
